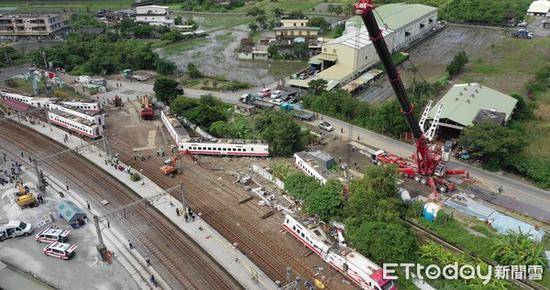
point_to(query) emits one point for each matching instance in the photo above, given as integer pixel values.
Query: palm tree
(277, 12)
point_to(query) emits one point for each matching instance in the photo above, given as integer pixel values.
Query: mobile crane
(427, 167)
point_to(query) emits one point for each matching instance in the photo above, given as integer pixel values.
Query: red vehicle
(60, 250)
(427, 166)
(147, 112)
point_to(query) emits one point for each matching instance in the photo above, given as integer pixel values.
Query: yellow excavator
(23, 197)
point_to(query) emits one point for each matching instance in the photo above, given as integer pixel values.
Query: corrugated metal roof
(335, 72)
(397, 15)
(540, 6)
(463, 101)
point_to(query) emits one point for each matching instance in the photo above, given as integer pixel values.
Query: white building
(154, 15)
(346, 57)
(539, 8)
(311, 167)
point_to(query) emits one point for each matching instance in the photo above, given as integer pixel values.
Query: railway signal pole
(183, 203)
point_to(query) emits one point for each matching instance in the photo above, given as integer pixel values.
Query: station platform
(220, 249)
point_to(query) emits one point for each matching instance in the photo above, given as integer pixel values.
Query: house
(314, 164)
(467, 104)
(348, 56)
(70, 212)
(154, 15)
(32, 25)
(539, 8)
(296, 30)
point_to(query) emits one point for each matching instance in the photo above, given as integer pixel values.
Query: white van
(14, 229)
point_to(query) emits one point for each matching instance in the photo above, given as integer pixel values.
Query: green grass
(60, 5)
(225, 37)
(280, 69)
(184, 45)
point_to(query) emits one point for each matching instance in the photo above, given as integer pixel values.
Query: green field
(62, 5)
(184, 45)
(507, 66)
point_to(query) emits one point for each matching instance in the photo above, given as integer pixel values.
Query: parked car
(51, 235)
(522, 24)
(12, 229)
(60, 250)
(276, 94)
(325, 126)
(265, 93)
(523, 33)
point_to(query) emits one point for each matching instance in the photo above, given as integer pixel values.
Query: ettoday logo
(464, 272)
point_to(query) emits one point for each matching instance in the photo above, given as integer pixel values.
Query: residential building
(296, 30)
(346, 57)
(154, 15)
(467, 104)
(32, 25)
(314, 164)
(539, 8)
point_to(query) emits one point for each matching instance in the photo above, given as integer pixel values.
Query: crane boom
(425, 162)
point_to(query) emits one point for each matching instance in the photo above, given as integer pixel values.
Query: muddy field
(217, 56)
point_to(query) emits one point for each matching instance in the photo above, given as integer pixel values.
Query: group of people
(188, 214)
(9, 175)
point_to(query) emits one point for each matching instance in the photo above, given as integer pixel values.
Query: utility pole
(101, 248)
(40, 176)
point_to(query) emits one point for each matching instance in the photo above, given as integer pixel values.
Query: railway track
(187, 266)
(200, 194)
(524, 284)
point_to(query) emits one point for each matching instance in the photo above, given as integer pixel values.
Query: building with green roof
(467, 104)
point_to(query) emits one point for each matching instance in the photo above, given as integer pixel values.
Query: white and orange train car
(354, 266)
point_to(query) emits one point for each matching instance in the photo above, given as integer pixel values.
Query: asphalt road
(517, 195)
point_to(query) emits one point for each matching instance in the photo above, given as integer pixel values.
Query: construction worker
(500, 189)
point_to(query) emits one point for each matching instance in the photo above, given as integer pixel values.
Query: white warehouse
(154, 15)
(345, 57)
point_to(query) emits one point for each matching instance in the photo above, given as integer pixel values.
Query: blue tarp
(500, 222)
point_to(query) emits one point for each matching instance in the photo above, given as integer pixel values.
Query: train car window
(251, 149)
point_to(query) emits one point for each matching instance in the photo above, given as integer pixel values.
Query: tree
(330, 8)
(320, 22)
(181, 104)
(193, 71)
(326, 202)
(281, 170)
(300, 50)
(338, 10)
(262, 21)
(165, 67)
(492, 144)
(255, 12)
(208, 111)
(172, 36)
(296, 14)
(317, 87)
(375, 197)
(301, 186)
(518, 249)
(165, 89)
(457, 64)
(277, 12)
(384, 242)
(282, 133)
(522, 111)
(273, 51)
(253, 26)
(178, 20)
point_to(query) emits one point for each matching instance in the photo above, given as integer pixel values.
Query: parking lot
(83, 271)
